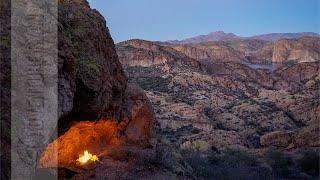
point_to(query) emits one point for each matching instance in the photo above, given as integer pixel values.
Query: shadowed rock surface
(91, 80)
(5, 80)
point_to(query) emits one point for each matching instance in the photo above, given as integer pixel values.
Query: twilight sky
(179, 19)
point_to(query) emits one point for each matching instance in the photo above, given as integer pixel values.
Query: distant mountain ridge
(277, 36)
(222, 36)
(213, 36)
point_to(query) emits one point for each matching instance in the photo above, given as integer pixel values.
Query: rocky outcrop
(149, 54)
(216, 51)
(277, 138)
(304, 49)
(97, 108)
(192, 51)
(301, 138)
(91, 82)
(93, 86)
(139, 110)
(251, 50)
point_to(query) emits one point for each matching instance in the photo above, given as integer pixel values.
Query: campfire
(83, 144)
(86, 157)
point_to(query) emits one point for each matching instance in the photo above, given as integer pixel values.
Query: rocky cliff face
(298, 50)
(97, 107)
(91, 80)
(251, 50)
(217, 51)
(150, 54)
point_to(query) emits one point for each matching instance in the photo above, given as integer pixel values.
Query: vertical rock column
(34, 97)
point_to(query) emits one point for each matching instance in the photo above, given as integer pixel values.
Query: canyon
(217, 96)
(221, 102)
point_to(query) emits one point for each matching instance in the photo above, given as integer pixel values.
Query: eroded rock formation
(298, 50)
(91, 80)
(98, 110)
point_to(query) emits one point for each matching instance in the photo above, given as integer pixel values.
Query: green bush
(309, 162)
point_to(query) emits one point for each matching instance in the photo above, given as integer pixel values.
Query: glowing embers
(86, 157)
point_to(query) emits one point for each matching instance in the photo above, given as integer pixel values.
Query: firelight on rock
(86, 156)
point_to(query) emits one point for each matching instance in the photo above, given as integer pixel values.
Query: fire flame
(86, 156)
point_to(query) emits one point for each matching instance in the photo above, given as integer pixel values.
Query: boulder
(277, 138)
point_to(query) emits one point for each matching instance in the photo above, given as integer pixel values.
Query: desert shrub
(199, 163)
(152, 83)
(5, 41)
(90, 66)
(233, 158)
(281, 163)
(229, 164)
(309, 162)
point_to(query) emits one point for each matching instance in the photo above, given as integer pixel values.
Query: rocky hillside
(228, 105)
(224, 96)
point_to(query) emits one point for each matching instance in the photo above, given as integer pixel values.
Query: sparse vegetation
(152, 83)
(234, 158)
(228, 164)
(90, 66)
(281, 163)
(5, 41)
(309, 162)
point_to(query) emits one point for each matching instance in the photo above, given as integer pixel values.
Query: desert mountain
(213, 36)
(222, 36)
(277, 36)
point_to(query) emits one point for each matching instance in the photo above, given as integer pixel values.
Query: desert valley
(222, 92)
